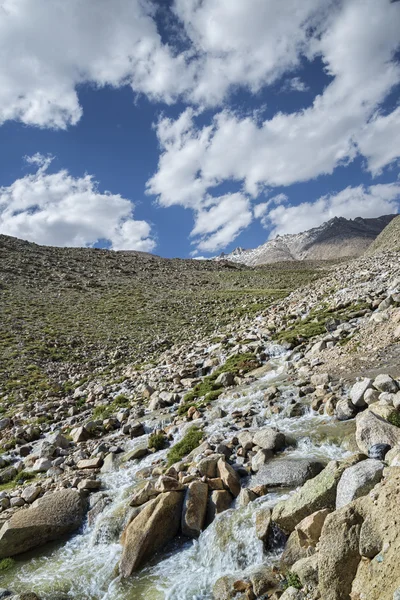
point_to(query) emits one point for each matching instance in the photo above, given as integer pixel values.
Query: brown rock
(230, 478)
(194, 509)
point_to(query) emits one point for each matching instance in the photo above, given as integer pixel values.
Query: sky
(189, 127)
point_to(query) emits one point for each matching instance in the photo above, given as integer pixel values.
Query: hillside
(337, 238)
(70, 311)
(388, 240)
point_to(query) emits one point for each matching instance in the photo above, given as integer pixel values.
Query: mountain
(337, 238)
(388, 239)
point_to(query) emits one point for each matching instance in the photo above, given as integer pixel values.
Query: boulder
(230, 478)
(316, 494)
(306, 570)
(263, 523)
(49, 518)
(358, 480)
(378, 451)
(338, 555)
(30, 493)
(226, 379)
(287, 472)
(90, 463)
(345, 410)
(80, 434)
(260, 458)
(309, 529)
(269, 439)
(372, 429)
(194, 509)
(168, 484)
(150, 531)
(358, 390)
(219, 501)
(385, 383)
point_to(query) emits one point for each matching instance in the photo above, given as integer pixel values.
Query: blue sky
(190, 127)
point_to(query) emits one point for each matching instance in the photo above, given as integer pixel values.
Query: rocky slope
(388, 240)
(337, 238)
(276, 444)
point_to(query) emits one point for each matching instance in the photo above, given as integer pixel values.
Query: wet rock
(245, 497)
(135, 454)
(260, 459)
(230, 478)
(218, 502)
(194, 509)
(288, 472)
(338, 555)
(263, 580)
(48, 519)
(150, 531)
(269, 439)
(316, 494)
(223, 588)
(372, 429)
(358, 390)
(263, 523)
(358, 480)
(110, 463)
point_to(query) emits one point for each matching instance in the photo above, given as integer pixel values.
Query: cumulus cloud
(357, 44)
(296, 85)
(219, 224)
(352, 202)
(47, 49)
(61, 210)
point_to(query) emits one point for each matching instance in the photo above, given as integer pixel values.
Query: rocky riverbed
(262, 463)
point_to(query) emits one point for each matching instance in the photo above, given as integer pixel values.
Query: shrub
(394, 419)
(188, 443)
(292, 580)
(157, 441)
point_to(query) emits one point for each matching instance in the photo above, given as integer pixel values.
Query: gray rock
(150, 531)
(345, 410)
(269, 439)
(385, 383)
(48, 519)
(372, 429)
(194, 509)
(226, 379)
(358, 390)
(358, 480)
(260, 459)
(287, 472)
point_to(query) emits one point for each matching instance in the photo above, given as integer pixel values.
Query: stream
(83, 567)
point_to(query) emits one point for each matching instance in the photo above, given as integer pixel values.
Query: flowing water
(84, 566)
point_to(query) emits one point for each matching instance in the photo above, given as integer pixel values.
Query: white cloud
(221, 222)
(61, 210)
(352, 202)
(260, 210)
(379, 140)
(357, 46)
(296, 85)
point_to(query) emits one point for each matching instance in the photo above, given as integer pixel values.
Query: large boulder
(288, 472)
(230, 478)
(49, 518)
(358, 480)
(269, 439)
(358, 390)
(316, 494)
(338, 555)
(371, 429)
(385, 383)
(194, 509)
(150, 531)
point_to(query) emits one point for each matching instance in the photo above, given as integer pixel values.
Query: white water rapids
(83, 568)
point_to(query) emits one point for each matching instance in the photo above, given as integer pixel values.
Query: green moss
(6, 563)
(157, 441)
(188, 443)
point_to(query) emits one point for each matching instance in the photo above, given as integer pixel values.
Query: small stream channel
(83, 567)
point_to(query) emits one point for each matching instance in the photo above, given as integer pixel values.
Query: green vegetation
(17, 480)
(209, 389)
(97, 311)
(315, 323)
(394, 418)
(188, 443)
(292, 580)
(105, 411)
(157, 441)
(6, 564)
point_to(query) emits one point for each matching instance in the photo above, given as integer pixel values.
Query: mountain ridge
(337, 238)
